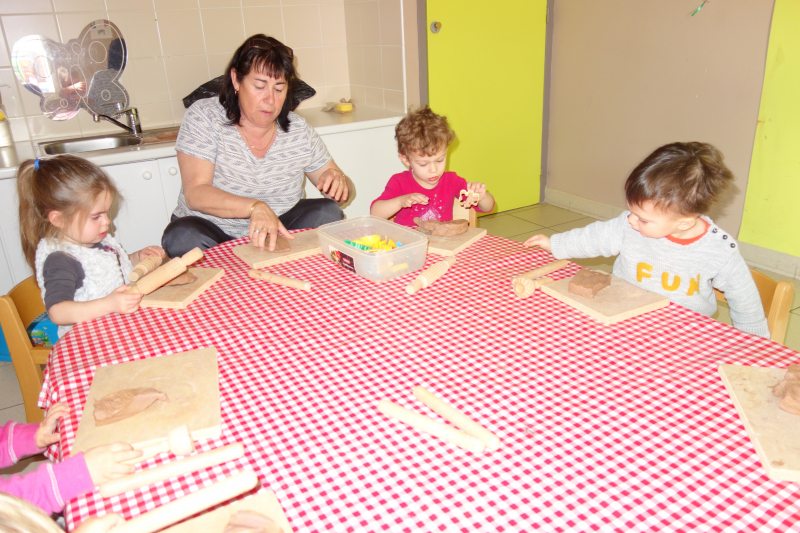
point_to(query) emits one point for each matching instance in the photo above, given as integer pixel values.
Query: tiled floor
(517, 225)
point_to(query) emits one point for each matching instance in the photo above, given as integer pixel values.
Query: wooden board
(775, 434)
(452, 245)
(180, 296)
(304, 244)
(619, 301)
(265, 503)
(190, 381)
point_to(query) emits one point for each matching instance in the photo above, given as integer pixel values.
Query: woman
(243, 157)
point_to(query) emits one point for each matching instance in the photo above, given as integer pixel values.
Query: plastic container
(380, 266)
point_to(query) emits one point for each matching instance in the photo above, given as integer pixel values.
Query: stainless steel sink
(107, 142)
(89, 144)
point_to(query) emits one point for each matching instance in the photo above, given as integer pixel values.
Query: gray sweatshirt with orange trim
(687, 274)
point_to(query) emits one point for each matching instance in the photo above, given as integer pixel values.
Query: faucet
(131, 115)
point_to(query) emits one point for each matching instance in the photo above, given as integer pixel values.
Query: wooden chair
(17, 309)
(776, 297)
(461, 213)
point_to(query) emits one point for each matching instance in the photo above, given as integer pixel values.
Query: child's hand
(480, 188)
(106, 462)
(100, 525)
(122, 303)
(542, 241)
(46, 434)
(144, 253)
(414, 198)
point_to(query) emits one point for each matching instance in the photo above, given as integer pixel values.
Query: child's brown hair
(64, 183)
(423, 132)
(682, 177)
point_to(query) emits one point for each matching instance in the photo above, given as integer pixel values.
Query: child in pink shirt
(54, 484)
(425, 190)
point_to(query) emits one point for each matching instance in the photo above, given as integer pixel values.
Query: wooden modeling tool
(165, 273)
(194, 503)
(470, 200)
(432, 427)
(428, 276)
(523, 283)
(180, 467)
(280, 280)
(179, 441)
(456, 417)
(265, 503)
(144, 267)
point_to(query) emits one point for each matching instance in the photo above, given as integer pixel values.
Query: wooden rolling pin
(144, 267)
(524, 287)
(179, 441)
(432, 427)
(194, 503)
(280, 280)
(453, 415)
(175, 468)
(165, 273)
(430, 274)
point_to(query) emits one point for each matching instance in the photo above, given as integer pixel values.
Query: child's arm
(389, 208)
(144, 253)
(736, 281)
(596, 239)
(485, 198)
(71, 312)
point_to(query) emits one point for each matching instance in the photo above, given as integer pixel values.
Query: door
(170, 183)
(486, 74)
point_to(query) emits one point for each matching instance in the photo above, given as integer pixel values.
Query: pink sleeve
(393, 190)
(51, 485)
(17, 441)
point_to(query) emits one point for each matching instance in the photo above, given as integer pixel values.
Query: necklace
(254, 147)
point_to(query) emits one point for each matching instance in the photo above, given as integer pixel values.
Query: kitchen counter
(324, 123)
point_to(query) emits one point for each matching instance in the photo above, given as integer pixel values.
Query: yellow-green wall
(486, 73)
(772, 207)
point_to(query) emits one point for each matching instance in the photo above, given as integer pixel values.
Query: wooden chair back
(776, 297)
(17, 309)
(462, 213)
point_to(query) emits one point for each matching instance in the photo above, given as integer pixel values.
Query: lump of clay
(588, 283)
(184, 279)
(438, 228)
(125, 404)
(281, 245)
(251, 522)
(789, 390)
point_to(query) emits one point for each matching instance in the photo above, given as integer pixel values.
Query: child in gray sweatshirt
(665, 243)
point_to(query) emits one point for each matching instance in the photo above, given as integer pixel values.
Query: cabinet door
(9, 225)
(141, 217)
(369, 158)
(6, 280)
(170, 182)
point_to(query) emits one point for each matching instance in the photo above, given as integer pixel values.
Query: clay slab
(180, 296)
(304, 244)
(775, 434)
(452, 245)
(265, 503)
(617, 302)
(191, 382)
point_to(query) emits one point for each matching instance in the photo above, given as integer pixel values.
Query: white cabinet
(170, 183)
(6, 280)
(9, 226)
(142, 213)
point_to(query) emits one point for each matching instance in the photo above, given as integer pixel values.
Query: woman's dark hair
(262, 54)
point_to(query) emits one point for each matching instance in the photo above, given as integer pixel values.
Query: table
(606, 428)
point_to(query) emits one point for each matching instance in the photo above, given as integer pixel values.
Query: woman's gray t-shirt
(276, 179)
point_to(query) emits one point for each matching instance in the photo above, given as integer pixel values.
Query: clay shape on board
(125, 404)
(251, 522)
(588, 283)
(184, 279)
(281, 245)
(438, 228)
(788, 389)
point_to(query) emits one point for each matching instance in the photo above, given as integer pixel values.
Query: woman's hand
(104, 524)
(407, 200)
(542, 241)
(144, 253)
(46, 434)
(333, 182)
(477, 187)
(106, 462)
(265, 227)
(119, 301)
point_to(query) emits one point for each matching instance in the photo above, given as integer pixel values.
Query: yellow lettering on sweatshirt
(642, 270)
(694, 285)
(665, 282)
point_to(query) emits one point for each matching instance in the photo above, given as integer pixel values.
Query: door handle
(436, 26)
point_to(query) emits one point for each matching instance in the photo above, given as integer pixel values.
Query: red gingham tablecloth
(604, 428)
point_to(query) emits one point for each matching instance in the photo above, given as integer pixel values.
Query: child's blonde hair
(423, 132)
(64, 183)
(19, 516)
